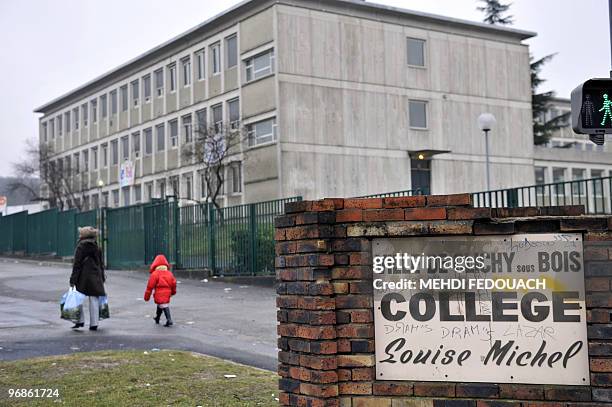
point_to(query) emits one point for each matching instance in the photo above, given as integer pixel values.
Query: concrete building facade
(323, 89)
(569, 156)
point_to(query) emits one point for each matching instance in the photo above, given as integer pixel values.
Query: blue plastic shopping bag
(71, 305)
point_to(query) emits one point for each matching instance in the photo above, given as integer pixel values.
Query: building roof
(246, 5)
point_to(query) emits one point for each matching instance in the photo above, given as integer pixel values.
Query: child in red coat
(163, 282)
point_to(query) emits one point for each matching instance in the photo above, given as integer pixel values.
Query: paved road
(225, 320)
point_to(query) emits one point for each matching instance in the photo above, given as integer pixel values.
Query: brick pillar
(306, 315)
(325, 301)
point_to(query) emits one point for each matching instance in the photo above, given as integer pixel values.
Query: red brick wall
(325, 302)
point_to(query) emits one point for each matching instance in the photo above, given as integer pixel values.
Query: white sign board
(126, 174)
(499, 309)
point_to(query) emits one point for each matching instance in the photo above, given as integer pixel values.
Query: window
(85, 160)
(137, 193)
(215, 52)
(95, 201)
(136, 144)
(68, 166)
(417, 112)
(260, 65)
(135, 92)
(58, 119)
(173, 133)
(416, 52)
(94, 111)
(114, 152)
(187, 130)
(186, 65)
(161, 187)
(146, 84)
(231, 50)
(236, 173)
(161, 137)
(104, 155)
(174, 184)
(172, 75)
(202, 185)
(188, 187)
(85, 113)
(201, 120)
(234, 113)
(116, 198)
(103, 106)
(558, 175)
(159, 81)
(148, 141)
(105, 199)
(44, 132)
(76, 166)
(67, 121)
(52, 129)
(124, 98)
(125, 148)
(540, 175)
(262, 132)
(578, 187)
(200, 64)
(94, 158)
(75, 117)
(149, 189)
(217, 116)
(125, 191)
(113, 102)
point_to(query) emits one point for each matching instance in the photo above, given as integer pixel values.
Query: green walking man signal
(606, 109)
(592, 109)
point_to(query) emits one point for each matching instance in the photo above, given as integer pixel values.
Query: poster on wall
(126, 174)
(500, 309)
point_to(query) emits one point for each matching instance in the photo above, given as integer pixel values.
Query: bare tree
(38, 163)
(211, 148)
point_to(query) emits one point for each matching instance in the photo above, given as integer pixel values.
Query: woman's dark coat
(88, 269)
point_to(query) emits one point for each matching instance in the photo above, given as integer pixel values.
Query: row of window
(178, 186)
(563, 175)
(255, 68)
(156, 138)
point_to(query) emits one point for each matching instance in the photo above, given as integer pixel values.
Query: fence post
(253, 238)
(513, 198)
(177, 224)
(211, 237)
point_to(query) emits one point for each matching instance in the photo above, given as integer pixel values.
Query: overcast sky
(50, 47)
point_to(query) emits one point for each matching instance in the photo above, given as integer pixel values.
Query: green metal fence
(49, 232)
(237, 240)
(13, 233)
(230, 241)
(594, 194)
(408, 192)
(124, 237)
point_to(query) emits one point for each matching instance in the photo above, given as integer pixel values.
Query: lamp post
(486, 121)
(100, 220)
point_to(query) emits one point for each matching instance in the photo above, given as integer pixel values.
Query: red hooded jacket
(161, 280)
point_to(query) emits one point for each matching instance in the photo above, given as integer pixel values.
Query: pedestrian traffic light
(592, 109)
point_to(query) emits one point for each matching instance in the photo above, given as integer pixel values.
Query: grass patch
(133, 378)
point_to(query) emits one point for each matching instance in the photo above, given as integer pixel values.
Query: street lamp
(486, 121)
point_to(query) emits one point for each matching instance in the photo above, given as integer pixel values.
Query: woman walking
(88, 274)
